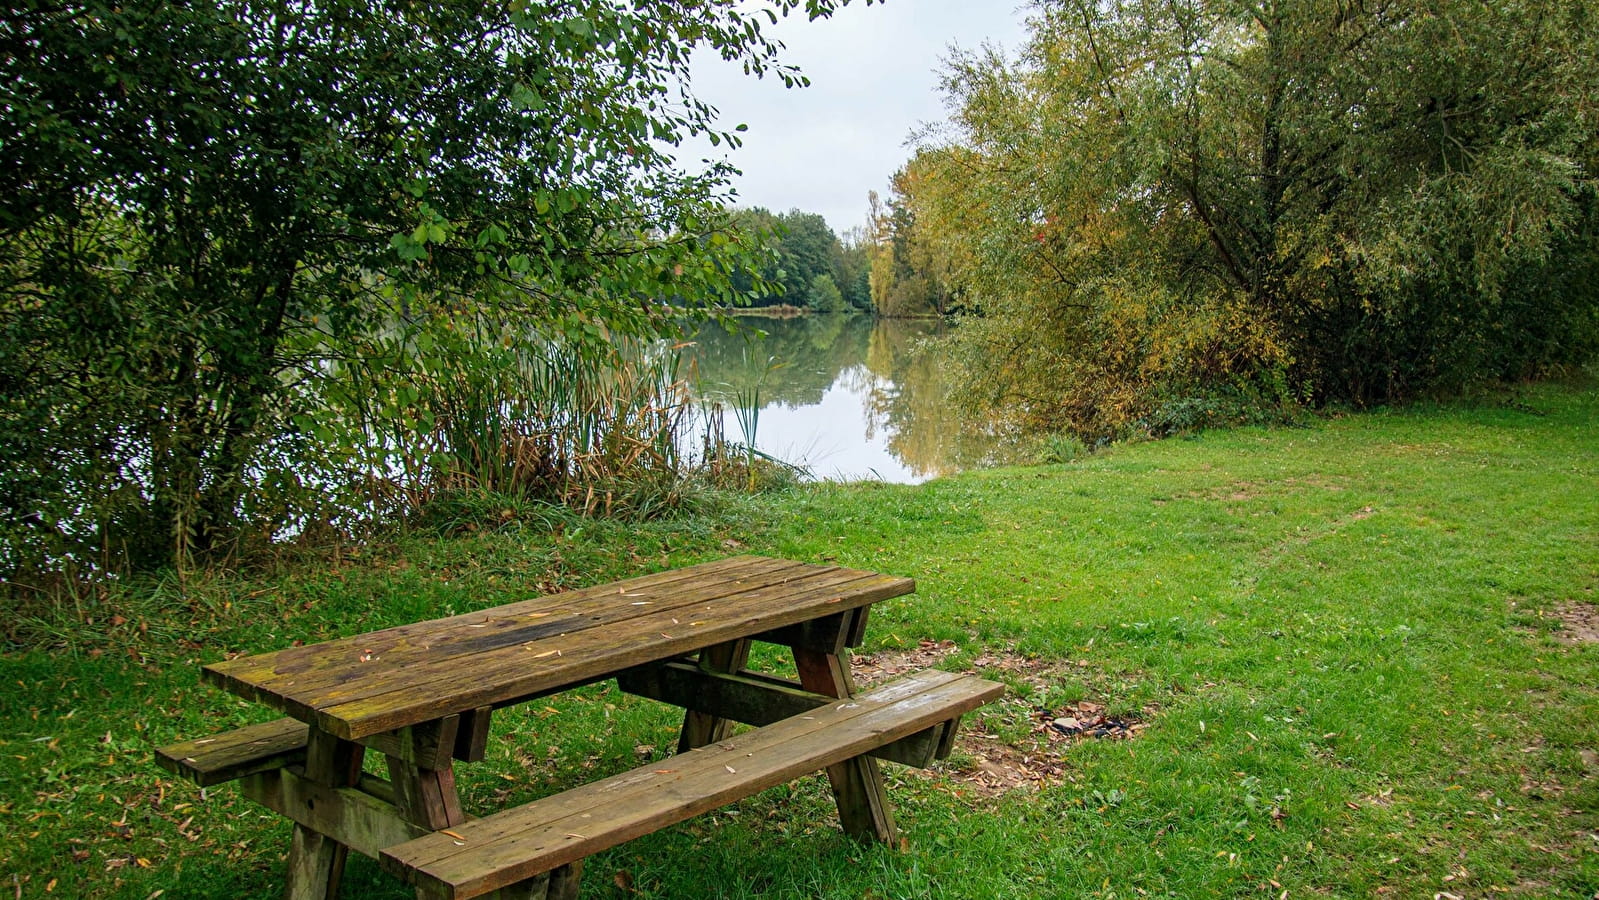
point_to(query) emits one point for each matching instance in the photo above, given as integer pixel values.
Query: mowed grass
(1345, 641)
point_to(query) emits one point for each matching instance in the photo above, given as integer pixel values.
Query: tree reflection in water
(853, 397)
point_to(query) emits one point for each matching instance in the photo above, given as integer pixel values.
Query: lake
(843, 396)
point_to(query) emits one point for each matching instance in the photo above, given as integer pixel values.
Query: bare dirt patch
(1316, 481)
(1242, 491)
(1579, 622)
(1014, 743)
(874, 668)
(1234, 492)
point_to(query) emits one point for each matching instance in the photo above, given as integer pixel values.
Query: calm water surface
(843, 396)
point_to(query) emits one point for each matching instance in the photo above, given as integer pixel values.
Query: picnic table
(423, 695)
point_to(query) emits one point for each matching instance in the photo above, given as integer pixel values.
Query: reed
(741, 463)
(598, 431)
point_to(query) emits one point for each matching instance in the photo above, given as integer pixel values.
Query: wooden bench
(269, 746)
(234, 754)
(501, 850)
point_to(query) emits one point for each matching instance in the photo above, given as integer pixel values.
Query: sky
(874, 80)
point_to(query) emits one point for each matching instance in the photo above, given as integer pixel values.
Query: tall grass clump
(597, 430)
(742, 464)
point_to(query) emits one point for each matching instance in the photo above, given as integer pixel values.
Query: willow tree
(206, 206)
(1159, 207)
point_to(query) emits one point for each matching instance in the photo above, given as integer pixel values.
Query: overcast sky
(874, 80)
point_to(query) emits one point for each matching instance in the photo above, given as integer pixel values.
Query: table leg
(316, 861)
(561, 883)
(425, 791)
(565, 879)
(423, 776)
(535, 888)
(700, 729)
(426, 797)
(863, 807)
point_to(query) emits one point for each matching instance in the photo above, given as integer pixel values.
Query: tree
(209, 209)
(904, 277)
(796, 249)
(808, 249)
(856, 268)
(1160, 205)
(823, 295)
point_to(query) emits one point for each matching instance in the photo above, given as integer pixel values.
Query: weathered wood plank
(362, 821)
(472, 742)
(234, 754)
(316, 860)
(271, 745)
(620, 620)
(559, 884)
(376, 787)
(315, 866)
(312, 665)
(857, 627)
(426, 797)
(535, 888)
(564, 880)
(700, 726)
(863, 807)
(431, 690)
(829, 634)
(744, 697)
(428, 745)
(503, 849)
(946, 741)
(347, 697)
(917, 751)
(758, 700)
(619, 789)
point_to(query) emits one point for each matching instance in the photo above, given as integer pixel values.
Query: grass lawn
(1350, 648)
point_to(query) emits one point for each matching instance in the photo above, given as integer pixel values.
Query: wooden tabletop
(363, 685)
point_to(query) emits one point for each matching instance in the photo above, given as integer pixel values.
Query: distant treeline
(807, 266)
(804, 264)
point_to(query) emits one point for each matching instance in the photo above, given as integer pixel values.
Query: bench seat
(500, 850)
(234, 754)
